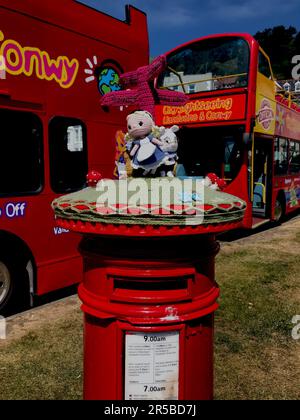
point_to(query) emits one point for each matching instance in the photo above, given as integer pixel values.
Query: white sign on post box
(152, 366)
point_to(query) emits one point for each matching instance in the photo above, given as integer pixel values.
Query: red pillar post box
(149, 308)
(149, 296)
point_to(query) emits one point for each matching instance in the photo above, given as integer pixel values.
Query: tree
(297, 43)
(281, 44)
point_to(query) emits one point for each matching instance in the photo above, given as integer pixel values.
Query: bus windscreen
(208, 65)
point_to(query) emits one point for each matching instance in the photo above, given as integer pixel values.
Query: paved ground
(21, 324)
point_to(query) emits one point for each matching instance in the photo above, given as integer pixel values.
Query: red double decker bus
(237, 124)
(56, 61)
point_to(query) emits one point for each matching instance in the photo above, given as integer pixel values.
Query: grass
(44, 365)
(255, 355)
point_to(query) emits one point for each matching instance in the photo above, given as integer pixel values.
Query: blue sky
(173, 22)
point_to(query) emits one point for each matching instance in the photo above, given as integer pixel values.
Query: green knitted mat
(210, 207)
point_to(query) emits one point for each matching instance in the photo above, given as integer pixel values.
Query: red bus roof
(75, 16)
(69, 34)
(251, 40)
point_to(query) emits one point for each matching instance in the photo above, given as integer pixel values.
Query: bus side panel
(89, 39)
(31, 219)
(53, 275)
(289, 186)
(293, 194)
(239, 188)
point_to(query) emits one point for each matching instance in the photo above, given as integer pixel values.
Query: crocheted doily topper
(156, 202)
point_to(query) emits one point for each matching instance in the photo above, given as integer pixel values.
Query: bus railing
(291, 97)
(194, 82)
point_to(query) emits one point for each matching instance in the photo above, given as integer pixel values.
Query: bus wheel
(279, 210)
(12, 284)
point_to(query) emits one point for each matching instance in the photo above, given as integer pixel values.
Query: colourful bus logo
(266, 114)
(17, 60)
(107, 75)
(108, 80)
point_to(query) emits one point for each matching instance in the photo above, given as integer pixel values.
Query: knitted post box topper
(138, 89)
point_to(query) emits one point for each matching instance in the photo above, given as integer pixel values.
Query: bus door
(261, 182)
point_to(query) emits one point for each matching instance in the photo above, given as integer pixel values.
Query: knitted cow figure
(169, 142)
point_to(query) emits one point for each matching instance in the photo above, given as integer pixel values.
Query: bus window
(232, 157)
(68, 154)
(213, 149)
(281, 156)
(213, 64)
(264, 66)
(21, 157)
(294, 157)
